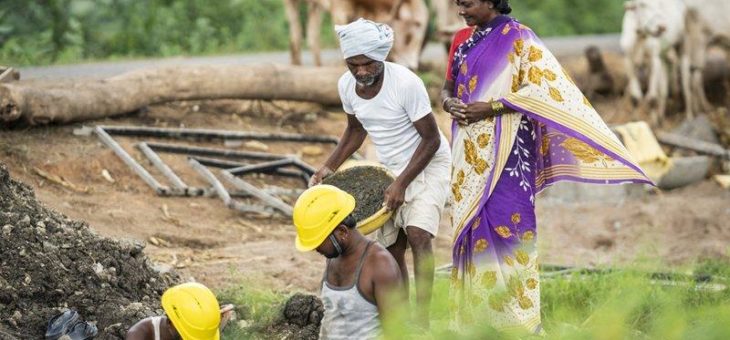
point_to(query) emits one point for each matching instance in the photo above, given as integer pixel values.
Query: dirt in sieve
(49, 262)
(367, 184)
(300, 319)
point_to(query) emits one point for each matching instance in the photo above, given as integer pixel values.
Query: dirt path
(561, 46)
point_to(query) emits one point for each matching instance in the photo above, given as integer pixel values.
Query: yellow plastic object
(317, 212)
(351, 163)
(193, 310)
(375, 221)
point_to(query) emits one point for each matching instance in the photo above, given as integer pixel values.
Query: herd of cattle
(668, 39)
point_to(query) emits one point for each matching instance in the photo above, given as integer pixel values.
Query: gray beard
(369, 81)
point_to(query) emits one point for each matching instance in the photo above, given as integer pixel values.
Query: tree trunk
(84, 99)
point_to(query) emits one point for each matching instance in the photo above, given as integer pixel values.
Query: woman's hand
(477, 111)
(454, 106)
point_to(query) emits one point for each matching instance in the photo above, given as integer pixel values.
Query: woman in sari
(519, 125)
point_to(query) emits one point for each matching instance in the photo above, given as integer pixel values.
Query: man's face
(327, 249)
(365, 70)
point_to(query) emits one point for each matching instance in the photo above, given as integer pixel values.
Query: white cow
(670, 38)
(651, 33)
(408, 18)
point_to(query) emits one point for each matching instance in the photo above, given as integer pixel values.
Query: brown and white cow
(408, 18)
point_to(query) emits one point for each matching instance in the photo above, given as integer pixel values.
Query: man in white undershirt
(389, 103)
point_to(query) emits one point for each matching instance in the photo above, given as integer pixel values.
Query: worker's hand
(321, 174)
(226, 315)
(394, 195)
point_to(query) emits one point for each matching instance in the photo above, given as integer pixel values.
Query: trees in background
(58, 31)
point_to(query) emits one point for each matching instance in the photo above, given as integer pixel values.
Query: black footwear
(82, 331)
(60, 324)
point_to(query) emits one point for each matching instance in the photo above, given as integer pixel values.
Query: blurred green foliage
(609, 303)
(34, 32)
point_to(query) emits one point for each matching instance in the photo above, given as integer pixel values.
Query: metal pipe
(225, 164)
(162, 166)
(210, 178)
(258, 193)
(223, 193)
(261, 167)
(142, 131)
(127, 159)
(310, 170)
(201, 151)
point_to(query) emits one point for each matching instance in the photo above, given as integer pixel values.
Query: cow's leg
(657, 80)
(686, 75)
(295, 31)
(314, 25)
(633, 87)
(416, 29)
(673, 63)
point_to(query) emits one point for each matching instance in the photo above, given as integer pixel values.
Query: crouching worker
(191, 313)
(361, 278)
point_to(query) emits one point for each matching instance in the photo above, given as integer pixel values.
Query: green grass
(605, 304)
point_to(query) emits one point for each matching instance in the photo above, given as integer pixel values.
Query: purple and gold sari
(500, 164)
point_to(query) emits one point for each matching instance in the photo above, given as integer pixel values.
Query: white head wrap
(365, 37)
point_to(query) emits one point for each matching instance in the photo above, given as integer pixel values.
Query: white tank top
(347, 314)
(156, 325)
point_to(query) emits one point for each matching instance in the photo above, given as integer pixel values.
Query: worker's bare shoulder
(383, 261)
(142, 330)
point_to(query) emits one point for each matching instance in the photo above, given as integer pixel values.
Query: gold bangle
(497, 107)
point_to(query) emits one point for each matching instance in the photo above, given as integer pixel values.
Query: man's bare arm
(387, 284)
(351, 140)
(430, 143)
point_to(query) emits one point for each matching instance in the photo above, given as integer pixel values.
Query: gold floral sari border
(564, 118)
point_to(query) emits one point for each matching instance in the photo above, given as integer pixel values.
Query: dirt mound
(367, 184)
(300, 318)
(49, 262)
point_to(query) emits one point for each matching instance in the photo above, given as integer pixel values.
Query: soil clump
(367, 184)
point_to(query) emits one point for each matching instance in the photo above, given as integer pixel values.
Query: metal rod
(162, 166)
(210, 178)
(225, 164)
(258, 193)
(127, 159)
(261, 167)
(201, 151)
(223, 194)
(142, 131)
(310, 170)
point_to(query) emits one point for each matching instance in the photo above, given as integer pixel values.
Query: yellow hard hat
(318, 211)
(193, 310)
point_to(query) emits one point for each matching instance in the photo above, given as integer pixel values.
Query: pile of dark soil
(300, 319)
(49, 263)
(367, 184)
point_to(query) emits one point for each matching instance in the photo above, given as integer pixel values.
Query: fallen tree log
(91, 99)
